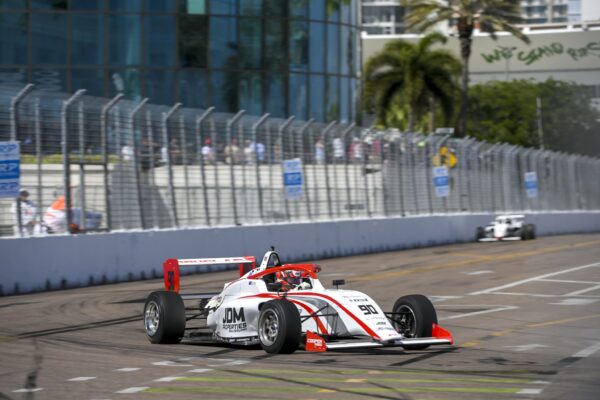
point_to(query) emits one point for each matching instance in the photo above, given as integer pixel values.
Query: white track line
(544, 295)
(168, 378)
(82, 379)
(574, 302)
(27, 390)
(529, 391)
(485, 271)
(577, 292)
(567, 281)
(199, 370)
(535, 278)
(501, 308)
(127, 369)
(135, 389)
(170, 364)
(588, 351)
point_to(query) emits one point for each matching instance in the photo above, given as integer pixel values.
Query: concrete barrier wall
(44, 263)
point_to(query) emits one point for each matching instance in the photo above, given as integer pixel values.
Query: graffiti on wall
(531, 56)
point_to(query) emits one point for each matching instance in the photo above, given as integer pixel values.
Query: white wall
(34, 264)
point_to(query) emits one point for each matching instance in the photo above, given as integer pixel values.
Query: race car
(284, 307)
(506, 227)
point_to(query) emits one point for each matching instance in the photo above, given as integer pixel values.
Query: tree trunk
(411, 121)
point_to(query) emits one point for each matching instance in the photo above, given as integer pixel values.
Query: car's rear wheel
(279, 327)
(413, 317)
(479, 233)
(164, 317)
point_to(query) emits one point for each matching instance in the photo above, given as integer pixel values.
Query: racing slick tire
(415, 319)
(279, 327)
(164, 317)
(479, 233)
(530, 231)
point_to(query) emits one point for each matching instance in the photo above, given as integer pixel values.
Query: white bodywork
(233, 314)
(504, 227)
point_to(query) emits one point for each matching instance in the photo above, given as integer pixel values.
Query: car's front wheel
(279, 327)
(164, 317)
(413, 316)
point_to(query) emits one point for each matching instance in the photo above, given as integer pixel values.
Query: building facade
(296, 57)
(386, 17)
(382, 17)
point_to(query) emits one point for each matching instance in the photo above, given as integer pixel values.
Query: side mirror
(338, 282)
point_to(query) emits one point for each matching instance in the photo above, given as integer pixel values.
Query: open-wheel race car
(284, 307)
(506, 227)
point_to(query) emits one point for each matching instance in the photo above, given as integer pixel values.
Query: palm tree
(490, 16)
(412, 74)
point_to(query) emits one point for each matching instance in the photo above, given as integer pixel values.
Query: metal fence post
(152, 164)
(104, 138)
(383, 183)
(280, 130)
(303, 130)
(364, 171)
(230, 124)
(14, 102)
(136, 161)
(165, 134)
(38, 154)
(81, 161)
(327, 129)
(347, 177)
(65, 150)
(255, 127)
(202, 161)
(184, 162)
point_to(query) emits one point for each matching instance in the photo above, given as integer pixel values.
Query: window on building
(193, 39)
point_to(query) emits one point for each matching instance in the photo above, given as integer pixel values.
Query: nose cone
(499, 230)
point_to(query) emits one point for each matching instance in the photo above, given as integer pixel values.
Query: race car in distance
(506, 227)
(284, 307)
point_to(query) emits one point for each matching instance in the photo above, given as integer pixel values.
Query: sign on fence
(10, 169)
(441, 181)
(292, 178)
(531, 186)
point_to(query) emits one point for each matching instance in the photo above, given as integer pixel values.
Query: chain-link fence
(108, 164)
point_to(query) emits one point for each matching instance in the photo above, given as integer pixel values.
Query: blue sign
(292, 178)
(441, 181)
(531, 185)
(10, 169)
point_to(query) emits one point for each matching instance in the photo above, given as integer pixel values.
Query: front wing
(440, 336)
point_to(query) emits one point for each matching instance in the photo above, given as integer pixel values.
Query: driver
(290, 279)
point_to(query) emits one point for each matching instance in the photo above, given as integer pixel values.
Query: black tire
(524, 233)
(416, 318)
(286, 338)
(164, 317)
(479, 233)
(531, 231)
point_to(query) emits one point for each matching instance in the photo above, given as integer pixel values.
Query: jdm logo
(234, 320)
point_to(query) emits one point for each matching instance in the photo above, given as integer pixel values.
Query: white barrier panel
(52, 262)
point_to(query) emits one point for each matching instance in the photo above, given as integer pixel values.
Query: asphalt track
(525, 317)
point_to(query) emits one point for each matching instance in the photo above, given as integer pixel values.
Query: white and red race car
(284, 307)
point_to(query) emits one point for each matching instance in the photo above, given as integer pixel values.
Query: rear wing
(172, 265)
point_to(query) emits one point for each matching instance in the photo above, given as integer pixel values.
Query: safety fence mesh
(96, 164)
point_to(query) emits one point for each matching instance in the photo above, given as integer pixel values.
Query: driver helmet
(289, 279)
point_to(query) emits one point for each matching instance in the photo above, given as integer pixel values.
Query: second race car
(506, 227)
